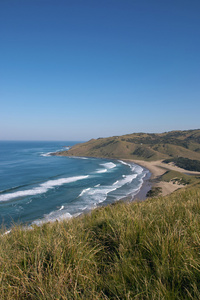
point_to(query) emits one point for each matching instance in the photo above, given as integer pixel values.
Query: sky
(82, 69)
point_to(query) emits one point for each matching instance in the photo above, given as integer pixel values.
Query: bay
(36, 187)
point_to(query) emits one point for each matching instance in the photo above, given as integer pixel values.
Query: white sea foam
(115, 182)
(90, 198)
(109, 165)
(42, 188)
(84, 208)
(138, 169)
(98, 194)
(46, 154)
(50, 153)
(84, 191)
(124, 163)
(127, 179)
(134, 167)
(101, 171)
(53, 216)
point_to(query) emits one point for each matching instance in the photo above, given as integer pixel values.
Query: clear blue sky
(80, 69)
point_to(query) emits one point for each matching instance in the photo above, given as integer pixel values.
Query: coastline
(146, 186)
(151, 179)
(158, 168)
(141, 194)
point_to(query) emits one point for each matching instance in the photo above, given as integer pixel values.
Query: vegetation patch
(105, 144)
(154, 192)
(180, 178)
(185, 163)
(143, 152)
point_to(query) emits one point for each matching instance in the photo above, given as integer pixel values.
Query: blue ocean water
(36, 187)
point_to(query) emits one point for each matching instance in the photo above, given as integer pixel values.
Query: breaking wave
(109, 165)
(42, 188)
(98, 194)
(53, 216)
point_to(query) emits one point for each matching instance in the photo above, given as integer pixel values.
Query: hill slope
(145, 250)
(143, 146)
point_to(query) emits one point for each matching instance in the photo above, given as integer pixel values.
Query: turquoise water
(36, 187)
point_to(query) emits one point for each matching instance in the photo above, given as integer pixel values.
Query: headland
(173, 158)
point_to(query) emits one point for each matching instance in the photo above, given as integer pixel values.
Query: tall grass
(146, 250)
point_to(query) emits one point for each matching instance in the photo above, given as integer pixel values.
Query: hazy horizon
(82, 141)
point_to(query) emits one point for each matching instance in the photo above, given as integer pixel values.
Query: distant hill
(143, 146)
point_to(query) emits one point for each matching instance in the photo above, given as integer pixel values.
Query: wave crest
(42, 188)
(109, 165)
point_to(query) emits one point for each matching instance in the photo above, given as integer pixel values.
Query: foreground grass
(148, 250)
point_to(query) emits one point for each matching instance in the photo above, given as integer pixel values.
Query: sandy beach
(158, 168)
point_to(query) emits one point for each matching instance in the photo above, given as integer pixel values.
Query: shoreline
(145, 188)
(157, 169)
(141, 194)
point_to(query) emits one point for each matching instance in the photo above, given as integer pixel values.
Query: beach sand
(158, 168)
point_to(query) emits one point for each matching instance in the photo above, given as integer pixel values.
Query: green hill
(143, 146)
(144, 250)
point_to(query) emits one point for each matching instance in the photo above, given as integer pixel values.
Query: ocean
(36, 187)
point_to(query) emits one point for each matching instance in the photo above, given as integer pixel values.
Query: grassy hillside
(142, 146)
(146, 250)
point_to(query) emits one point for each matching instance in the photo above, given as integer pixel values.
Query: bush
(185, 163)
